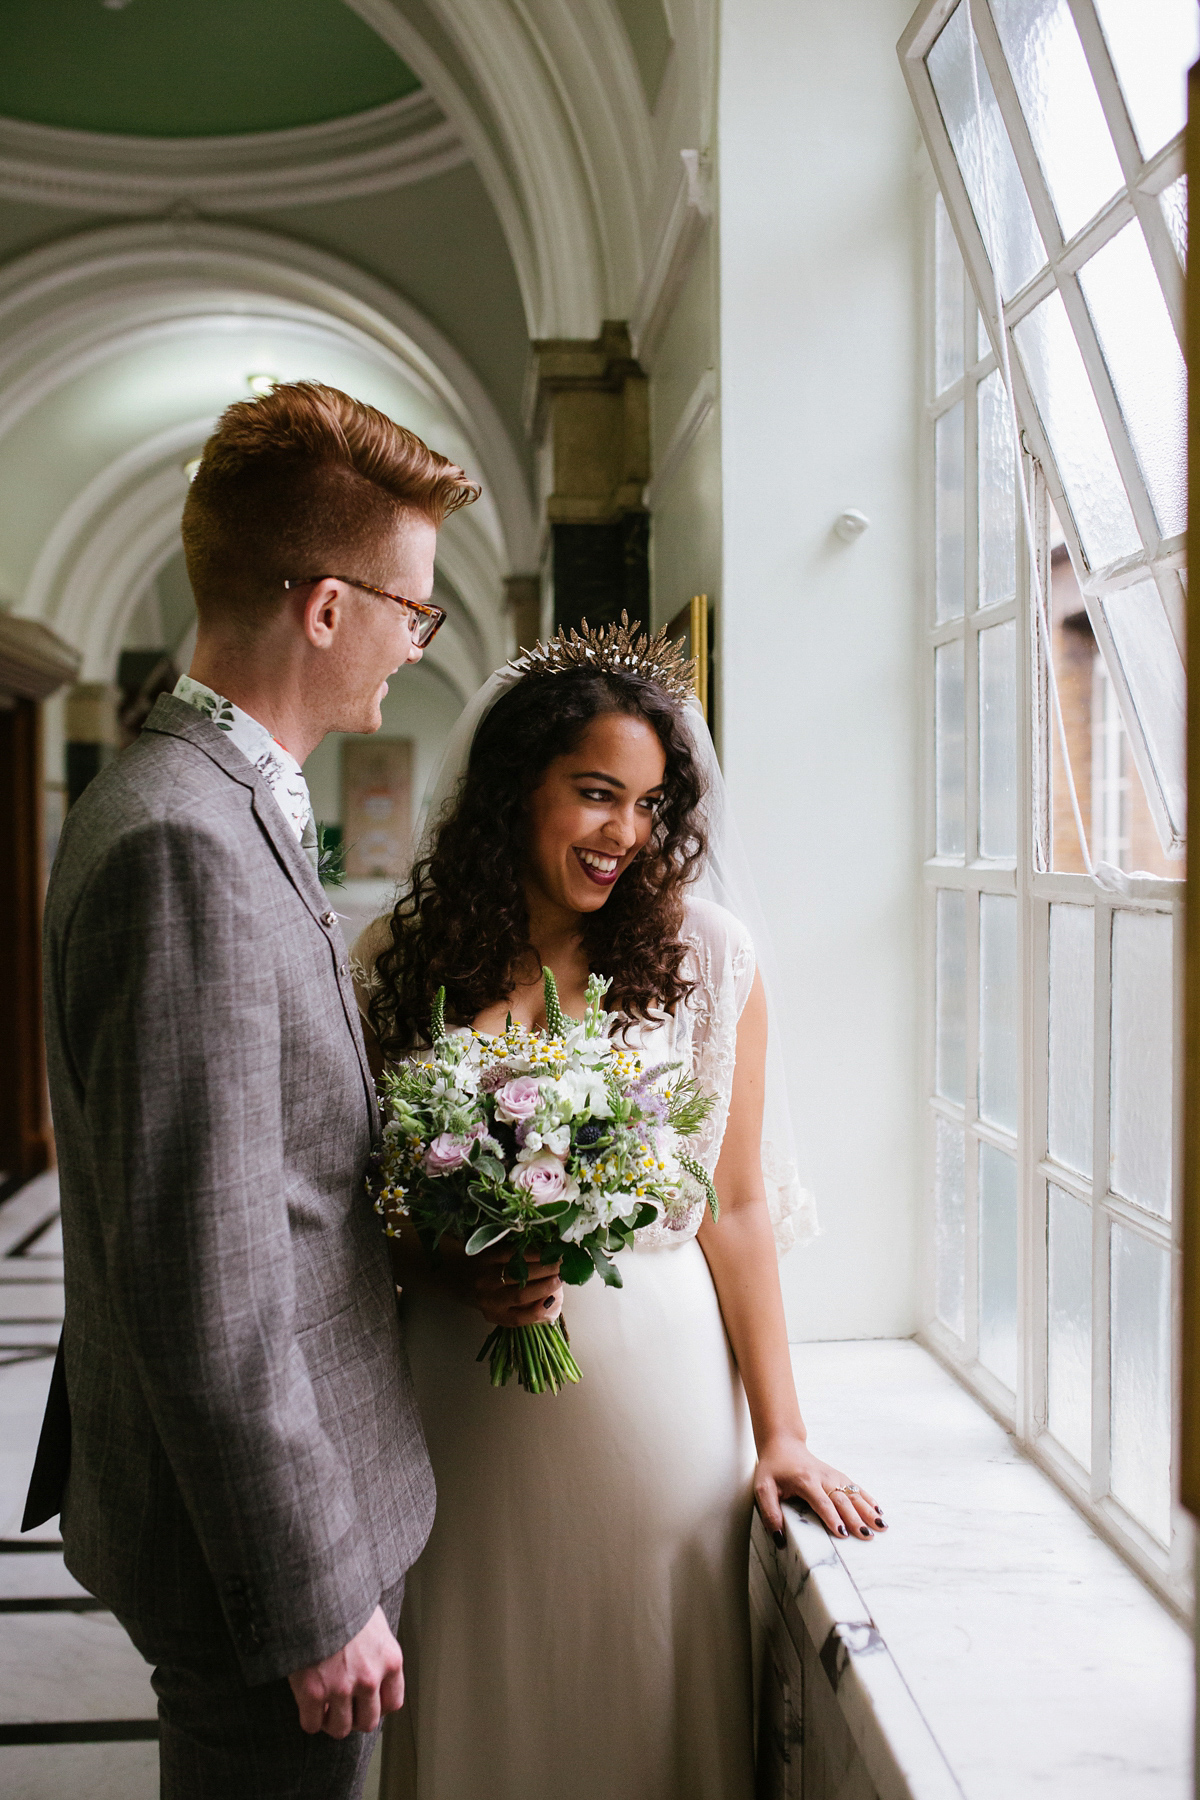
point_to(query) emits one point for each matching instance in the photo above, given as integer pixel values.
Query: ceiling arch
(548, 97)
(118, 348)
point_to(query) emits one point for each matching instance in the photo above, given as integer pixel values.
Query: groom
(231, 1435)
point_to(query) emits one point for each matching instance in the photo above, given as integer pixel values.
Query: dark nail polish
(548, 1303)
(780, 1540)
(879, 1524)
(865, 1530)
(842, 1532)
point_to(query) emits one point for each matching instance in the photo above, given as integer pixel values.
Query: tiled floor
(77, 1713)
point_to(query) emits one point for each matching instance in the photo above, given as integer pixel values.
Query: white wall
(818, 287)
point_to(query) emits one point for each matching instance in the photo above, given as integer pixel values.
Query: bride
(578, 1623)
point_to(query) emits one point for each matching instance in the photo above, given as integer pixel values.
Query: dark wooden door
(24, 1121)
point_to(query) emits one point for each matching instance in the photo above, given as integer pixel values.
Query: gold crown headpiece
(616, 649)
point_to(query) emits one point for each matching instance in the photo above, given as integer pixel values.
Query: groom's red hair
(305, 481)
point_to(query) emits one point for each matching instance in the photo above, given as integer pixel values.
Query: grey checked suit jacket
(245, 1453)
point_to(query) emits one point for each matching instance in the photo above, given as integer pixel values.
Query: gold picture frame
(692, 626)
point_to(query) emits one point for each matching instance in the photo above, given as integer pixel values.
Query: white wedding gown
(578, 1623)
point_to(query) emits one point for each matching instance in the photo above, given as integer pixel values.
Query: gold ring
(849, 1488)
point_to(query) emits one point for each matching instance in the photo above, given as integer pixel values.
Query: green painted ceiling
(167, 68)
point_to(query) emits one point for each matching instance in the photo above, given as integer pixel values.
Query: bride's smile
(592, 813)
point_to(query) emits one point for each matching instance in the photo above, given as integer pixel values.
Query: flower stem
(538, 1355)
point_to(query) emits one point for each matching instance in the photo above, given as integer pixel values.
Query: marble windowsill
(994, 1645)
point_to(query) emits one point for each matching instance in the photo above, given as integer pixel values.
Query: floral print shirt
(277, 766)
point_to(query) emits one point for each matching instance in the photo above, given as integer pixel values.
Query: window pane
(1146, 365)
(1141, 1379)
(1061, 107)
(1069, 1321)
(998, 1010)
(997, 494)
(1072, 1049)
(1142, 1037)
(948, 453)
(950, 1076)
(1153, 43)
(1173, 201)
(998, 1264)
(1019, 253)
(1112, 790)
(1152, 667)
(950, 1225)
(1076, 432)
(998, 740)
(949, 749)
(948, 301)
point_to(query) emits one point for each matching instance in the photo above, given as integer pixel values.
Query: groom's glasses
(424, 620)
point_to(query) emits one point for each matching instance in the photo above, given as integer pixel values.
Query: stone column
(590, 424)
(93, 733)
(523, 606)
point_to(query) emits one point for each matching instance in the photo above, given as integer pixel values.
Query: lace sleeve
(722, 954)
(364, 953)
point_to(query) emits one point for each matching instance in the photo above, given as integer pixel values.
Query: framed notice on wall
(377, 806)
(692, 627)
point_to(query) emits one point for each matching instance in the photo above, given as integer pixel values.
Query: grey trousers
(222, 1740)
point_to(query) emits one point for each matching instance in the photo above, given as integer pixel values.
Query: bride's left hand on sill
(787, 1469)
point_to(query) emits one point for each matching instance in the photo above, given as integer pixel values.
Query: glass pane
(1069, 1322)
(1151, 664)
(998, 1263)
(948, 453)
(1019, 253)
(998, 740)
(949, 749)
(1173, 201)
(1153, 43)
(997, 494)
(983, 343)
(948, 302)
(998, 1009)
(950, 1058)
(949, 1223)
(1142, 1040)
(1076, 432)
(1072, 1047)
(1141, 1379)
(1061, 107)
(1146, 365)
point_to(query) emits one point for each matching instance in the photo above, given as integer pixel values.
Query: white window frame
(1029, 878)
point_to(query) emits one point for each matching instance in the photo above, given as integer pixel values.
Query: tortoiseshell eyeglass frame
(426, 619)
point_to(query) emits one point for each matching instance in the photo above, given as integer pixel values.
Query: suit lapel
(175, 718)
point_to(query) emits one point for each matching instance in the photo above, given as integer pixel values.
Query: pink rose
(448, 1152)
(544, 1178)
(518, 1099)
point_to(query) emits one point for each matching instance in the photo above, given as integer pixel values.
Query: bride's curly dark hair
(462, 922)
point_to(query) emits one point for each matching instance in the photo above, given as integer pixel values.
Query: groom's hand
(352, 1689)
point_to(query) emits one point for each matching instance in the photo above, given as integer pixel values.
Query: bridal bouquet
(557, 1140)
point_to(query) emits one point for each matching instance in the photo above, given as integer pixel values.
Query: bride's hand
(479, 1281)
(787, 1469)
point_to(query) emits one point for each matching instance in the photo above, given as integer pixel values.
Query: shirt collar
(277, 766)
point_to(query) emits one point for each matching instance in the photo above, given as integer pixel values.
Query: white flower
(558, 1142)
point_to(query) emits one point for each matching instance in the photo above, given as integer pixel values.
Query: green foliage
(437, 1023)
(688, 1106)
(699, 1173)
(331, 856)
(557, 1023)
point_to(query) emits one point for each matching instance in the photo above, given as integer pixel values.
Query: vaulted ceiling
(155, 68)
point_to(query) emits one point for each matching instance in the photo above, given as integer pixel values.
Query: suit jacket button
(328, 918)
